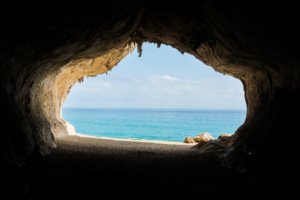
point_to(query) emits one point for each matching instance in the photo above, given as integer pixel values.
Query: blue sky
(161, 78)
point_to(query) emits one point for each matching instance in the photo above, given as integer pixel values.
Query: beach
(143, 141)
(81, 165)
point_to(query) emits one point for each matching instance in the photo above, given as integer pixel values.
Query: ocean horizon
(165, 124)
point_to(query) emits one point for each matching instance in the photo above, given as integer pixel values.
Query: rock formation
(189, 140)
(200, 138)
(45, 50)
(224, 135)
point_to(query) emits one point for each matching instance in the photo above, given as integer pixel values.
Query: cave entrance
(162, 95)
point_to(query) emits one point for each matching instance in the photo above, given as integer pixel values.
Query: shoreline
(134, 140)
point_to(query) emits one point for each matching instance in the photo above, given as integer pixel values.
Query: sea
(153, 124)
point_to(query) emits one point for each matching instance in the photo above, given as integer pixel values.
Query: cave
(149, 98)
(46, 48)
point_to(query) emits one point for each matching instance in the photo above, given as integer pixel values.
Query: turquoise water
(153, 124)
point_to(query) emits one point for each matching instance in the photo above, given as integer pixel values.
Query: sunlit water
(153, 124)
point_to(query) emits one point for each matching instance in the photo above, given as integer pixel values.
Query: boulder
(203, 137)
(200, 138)
(189, 140)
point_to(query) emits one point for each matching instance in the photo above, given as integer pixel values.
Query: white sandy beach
(134, 140)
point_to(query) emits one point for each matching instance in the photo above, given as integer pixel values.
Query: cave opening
(45, 51)
(164, 95)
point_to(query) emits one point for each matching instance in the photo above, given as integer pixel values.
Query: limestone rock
(203, 137)
(200, 138)
(189, 140)
(225, 135)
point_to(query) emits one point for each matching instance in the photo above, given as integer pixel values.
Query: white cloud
(105, 85)
(161, 78)
(157, 91)
(169, 78)
(92, 87)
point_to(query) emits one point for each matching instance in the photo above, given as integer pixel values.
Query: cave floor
(90, 168)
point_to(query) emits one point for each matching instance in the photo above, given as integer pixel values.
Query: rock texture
(254, 41)
(205, 137)
(61, 82)
(200, 138)
(189, 140)
(224, 135)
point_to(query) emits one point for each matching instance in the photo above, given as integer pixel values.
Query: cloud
(105, 85)
(157, 91)
(169, 78)
(92, 86)
(161, 78)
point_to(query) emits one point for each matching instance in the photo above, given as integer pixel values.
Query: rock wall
(44, 51)
(256, 43)
(54, 89)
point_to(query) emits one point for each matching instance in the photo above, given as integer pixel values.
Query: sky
(161, 78)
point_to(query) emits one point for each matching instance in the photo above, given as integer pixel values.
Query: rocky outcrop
(225, 135)
(62, 81)
(189, 140)
(200, 138)
(205, 137)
